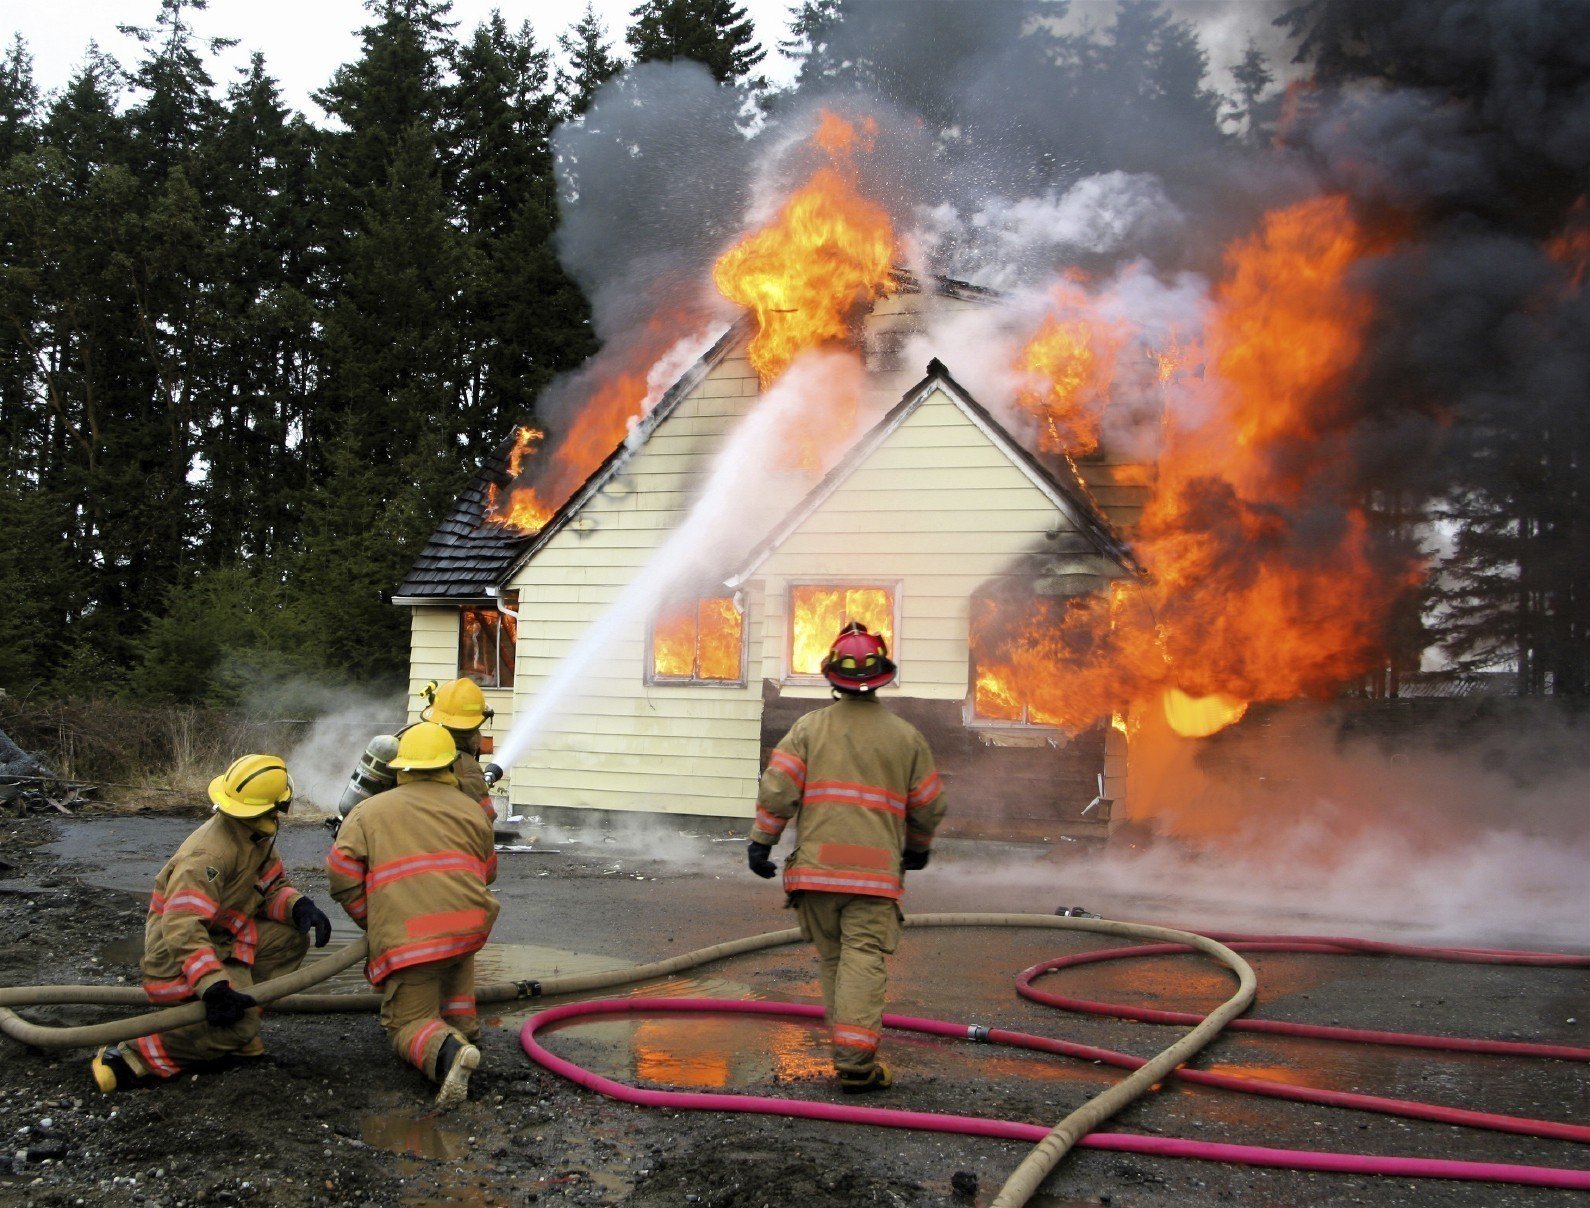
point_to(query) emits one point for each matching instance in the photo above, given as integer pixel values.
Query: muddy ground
(335, 1118)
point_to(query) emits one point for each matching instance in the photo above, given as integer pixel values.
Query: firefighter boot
(454, 1064)
(878, 1078)
(113, 1072)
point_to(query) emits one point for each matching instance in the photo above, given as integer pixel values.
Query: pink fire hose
(1403, 1167)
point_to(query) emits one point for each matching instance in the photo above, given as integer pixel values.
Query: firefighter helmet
(858, 661)
(423, 748)
(252, 787)
(458, 705)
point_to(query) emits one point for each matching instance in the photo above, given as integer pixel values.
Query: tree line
(247, 360)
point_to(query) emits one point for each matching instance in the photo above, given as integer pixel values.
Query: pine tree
(19, 102)
(591, 56)
(715, 33)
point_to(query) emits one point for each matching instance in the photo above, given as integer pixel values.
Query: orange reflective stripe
(841, 792)
(276, 908)
(420, 952)
(790, 765)
(154, 1052)
(421, 1039)
(200, 965)
(850, 1036)
(925, 792)
(192, 901)
(174, 990)
(359, 907)
(768, 822)
(458, 1006)
(425, 862)
(839, 880)
(347, 865)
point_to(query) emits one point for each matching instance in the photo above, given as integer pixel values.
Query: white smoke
(324, 759)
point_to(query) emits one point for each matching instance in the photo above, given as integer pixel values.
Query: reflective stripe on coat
(859, 783)
(411, 866)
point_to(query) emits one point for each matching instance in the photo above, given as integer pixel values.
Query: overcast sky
(304, 41)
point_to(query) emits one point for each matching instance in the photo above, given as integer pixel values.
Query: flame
(1570, 247)
(698, 639)
(1265, 581)
(817, 614)
(1200, 716)
(1069, 365)
(824, 258)
(544, 476)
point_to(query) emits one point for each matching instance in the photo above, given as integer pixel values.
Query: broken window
(486, 639)
(819, 611)
(698, 640)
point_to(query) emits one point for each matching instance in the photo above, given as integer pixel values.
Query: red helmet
(858, 661)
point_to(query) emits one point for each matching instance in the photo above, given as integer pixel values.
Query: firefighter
(411, 866)
(460, 705)
(222, 917)
(861, 785)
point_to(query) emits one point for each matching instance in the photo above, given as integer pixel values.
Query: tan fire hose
(283, 992)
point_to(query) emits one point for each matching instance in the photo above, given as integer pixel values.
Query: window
(1010, 669)
(486, 645)
(698, 640)
(818, 612)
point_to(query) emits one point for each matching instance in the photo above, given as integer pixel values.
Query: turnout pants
(422, 1005)
(280, 950)
(852, 933)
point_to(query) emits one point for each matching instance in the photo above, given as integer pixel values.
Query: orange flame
(1265, 583)
(1571, 245)
(545, 478)
(826, 256)
(818, 613)
(1070, 363)
(698, 639)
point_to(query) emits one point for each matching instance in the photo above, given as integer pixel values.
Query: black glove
(757, 858)
(914, 861)
(224, 1006)
(308, 917)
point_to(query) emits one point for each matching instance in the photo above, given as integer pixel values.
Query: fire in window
(1010, 674)
(818, 613)
(699, 640)
(486, 646)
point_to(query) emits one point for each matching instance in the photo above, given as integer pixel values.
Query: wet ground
(335, 1118)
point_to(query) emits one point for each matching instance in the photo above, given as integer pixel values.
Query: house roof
(467, 559)
(1071, 498)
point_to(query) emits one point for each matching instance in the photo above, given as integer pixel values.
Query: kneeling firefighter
(461, 707)
(411, 866)
(860, 785)
(223, 915)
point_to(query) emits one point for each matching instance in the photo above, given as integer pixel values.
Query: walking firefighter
(222, 917)
(410, 866)
(860, 785)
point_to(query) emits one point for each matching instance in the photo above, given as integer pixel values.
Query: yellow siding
(433, 655)
(615, 742)
(935, 511)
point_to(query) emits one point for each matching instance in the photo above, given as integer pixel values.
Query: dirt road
(334, 1118)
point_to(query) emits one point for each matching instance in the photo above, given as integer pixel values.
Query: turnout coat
(411, 866)
(860, 783)
(205, 907)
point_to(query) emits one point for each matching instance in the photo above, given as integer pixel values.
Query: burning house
(933, 526)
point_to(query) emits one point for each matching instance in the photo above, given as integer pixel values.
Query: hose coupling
(529, 988)
(977, 1032)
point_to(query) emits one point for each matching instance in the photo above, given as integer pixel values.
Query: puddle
(411, 1138)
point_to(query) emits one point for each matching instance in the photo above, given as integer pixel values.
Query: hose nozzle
(493, 773)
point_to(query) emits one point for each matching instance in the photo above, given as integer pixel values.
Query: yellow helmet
(458, 705)
(254, 785)
(424, 747)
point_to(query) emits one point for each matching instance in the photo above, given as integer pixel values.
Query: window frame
(499, 615)
(648, 652)
(970, 718)
(798, 679)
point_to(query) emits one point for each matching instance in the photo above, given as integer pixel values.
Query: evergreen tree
(591, 57)
(1250, 112)
(715, 33)
(522, 320)
(19, 102)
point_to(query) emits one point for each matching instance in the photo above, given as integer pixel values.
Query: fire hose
(285, 993)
